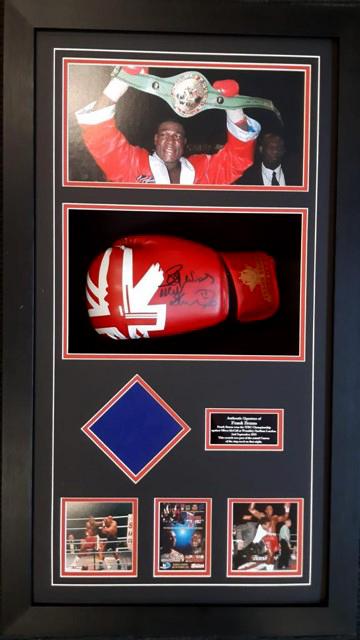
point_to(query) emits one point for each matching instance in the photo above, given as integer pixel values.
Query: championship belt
(190, 92)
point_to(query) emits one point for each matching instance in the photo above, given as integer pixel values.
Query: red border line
(99, 574)
(303, 285)
(206, 572)
(307, 127)
(151, 62)
(299, 68)
(300, 357)
(245, 447)
(135, 477)
(285, 573)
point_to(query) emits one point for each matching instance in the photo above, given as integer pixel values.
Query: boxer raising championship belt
(188, 94)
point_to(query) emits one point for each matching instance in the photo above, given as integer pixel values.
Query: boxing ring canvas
(180, 388)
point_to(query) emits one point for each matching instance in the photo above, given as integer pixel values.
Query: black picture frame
(335, 615)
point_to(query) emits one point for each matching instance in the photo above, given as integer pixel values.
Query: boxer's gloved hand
(132, 69)
(229, 89)
(152, 286)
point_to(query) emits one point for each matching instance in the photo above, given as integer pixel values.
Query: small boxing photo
(99, 537)
(265, 537)
(182, 538)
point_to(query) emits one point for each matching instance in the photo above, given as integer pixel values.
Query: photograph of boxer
(122, 162)
(182, 537)
(265, 537)
(161, 125)
(99, 536)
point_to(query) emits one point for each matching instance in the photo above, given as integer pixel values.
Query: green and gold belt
(190, 93)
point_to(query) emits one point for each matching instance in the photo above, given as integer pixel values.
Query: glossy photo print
(171, 124)
(98, 537)
(265, 538)
(182, 539)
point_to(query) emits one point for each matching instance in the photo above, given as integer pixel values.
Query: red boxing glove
(134, 70)
(151, 286)
(227, 88)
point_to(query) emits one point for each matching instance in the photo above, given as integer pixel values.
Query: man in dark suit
(271, 169)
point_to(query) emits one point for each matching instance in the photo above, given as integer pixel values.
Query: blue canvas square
(136, 428)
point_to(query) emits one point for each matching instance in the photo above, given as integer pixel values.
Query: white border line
(53, 346)
(194, 53)
(192, 584)
(316, 205)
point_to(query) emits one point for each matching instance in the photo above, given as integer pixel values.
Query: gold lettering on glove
(253, 276)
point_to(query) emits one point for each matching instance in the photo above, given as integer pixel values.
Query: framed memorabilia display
(180, 319)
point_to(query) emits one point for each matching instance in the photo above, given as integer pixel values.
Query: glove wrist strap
(254, 278)
(115, 89)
